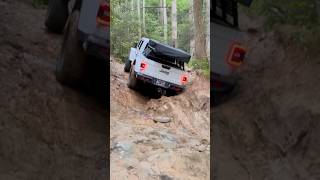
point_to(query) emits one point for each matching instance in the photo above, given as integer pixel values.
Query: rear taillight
(236, 55)
(103, 16)
(184, 79)
(143, 66)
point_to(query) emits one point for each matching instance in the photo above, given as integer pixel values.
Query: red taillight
(236, 55)
(143, 66)
(184, 79)
(103, 16)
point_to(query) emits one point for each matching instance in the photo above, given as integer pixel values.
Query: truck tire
(127, 66)
(132, 80)
(70, 68)
(57, 15)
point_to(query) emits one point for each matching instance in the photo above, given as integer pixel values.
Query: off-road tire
(57, 15)
(71, 64)
(127, 66)
(132, 80)
(223, 97)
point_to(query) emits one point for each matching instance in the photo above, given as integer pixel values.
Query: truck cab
(159, 65)
(227, 51)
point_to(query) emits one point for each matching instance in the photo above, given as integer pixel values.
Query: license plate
(160, 83)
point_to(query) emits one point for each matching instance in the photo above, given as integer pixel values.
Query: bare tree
(174, 24)
(191, 31)
(207, 24)
(165, 21)
(139, 17)
(143, 16)
(200, 35)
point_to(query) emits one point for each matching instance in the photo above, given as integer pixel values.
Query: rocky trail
(47, 131)
(270, 128)
(144, 148)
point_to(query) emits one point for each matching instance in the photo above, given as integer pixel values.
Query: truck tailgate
(163, 72)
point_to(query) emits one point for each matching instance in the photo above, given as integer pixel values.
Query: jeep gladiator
(159, 65)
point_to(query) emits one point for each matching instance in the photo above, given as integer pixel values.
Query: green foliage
(295, 12)
(200, 64)
(299, 15)
(39, 3)
(124, 25)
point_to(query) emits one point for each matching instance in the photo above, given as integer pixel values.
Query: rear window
(168, 61)
(225, 12)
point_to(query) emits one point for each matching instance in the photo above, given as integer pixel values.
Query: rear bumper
(151, 80)
(222, 84)
(95, 46)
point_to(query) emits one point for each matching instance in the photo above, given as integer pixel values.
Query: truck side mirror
(135, 44)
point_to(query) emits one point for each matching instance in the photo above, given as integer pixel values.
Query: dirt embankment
(143, 149)
(270, 129)
(47, 131)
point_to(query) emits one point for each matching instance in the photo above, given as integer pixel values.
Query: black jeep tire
(57, 15)
(127, 66)
(132, 80)
(71, 64)
(218, 98)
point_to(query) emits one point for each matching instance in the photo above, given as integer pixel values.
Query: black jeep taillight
(103, 16)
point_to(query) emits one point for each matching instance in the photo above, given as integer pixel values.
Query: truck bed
(160, 71)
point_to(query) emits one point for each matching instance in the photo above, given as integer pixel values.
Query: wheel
(57, 15)
(71, 64)
(215, 99)
(127, 66)
(132, 81)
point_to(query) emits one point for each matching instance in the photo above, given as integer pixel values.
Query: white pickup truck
(85, 26)
(159, 65)
(227, 51)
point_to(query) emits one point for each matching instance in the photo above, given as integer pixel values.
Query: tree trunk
(143, 16)
(191, 31)
(207, 24)
(174, 24)
(132, 5)
(139, 18)
(160, 10)
(165, 21)
(200, 35)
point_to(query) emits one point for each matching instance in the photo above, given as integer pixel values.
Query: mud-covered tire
(71, 64)
(218, 98)
(57, 15)
(132, 80)
(127, 66)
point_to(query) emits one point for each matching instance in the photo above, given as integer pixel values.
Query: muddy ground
(47, 131)
(270, 129)
(142, 149)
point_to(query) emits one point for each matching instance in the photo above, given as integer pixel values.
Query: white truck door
(133, 53)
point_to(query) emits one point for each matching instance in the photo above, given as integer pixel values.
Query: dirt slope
(270, 130)
(47, 131)
(142, 149)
